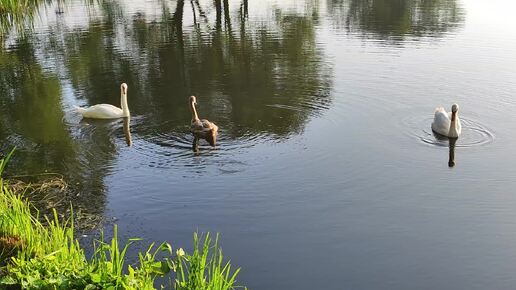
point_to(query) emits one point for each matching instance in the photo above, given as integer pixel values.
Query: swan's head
(123, 88)
(455, 108)
(193, 100)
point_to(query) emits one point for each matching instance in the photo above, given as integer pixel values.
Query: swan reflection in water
(451, 159)
(103, 129)
(127, 130)
(451, 146)
(195, 145)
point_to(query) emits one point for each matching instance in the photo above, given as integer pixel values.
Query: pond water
(326, 173)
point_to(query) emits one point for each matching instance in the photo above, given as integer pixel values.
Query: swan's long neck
(194, 111)
(453, 125)
(125, 107)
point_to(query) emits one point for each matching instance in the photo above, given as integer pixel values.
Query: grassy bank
(36, 255)
(10, 6)
(15, 13)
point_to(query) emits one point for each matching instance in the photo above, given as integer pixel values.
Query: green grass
(7, 6)
(48, 256)
(16, 13)
(204, 269)
(20, 14)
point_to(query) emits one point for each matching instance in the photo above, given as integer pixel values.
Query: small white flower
(180, 252)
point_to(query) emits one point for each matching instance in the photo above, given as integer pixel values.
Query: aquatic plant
(46, 255)
(204, 269)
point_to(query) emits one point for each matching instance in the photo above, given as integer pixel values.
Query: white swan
(107, 111)
(447, 124)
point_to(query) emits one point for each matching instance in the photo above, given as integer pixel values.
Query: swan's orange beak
(453, 116)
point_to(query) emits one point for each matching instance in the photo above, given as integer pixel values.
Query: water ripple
(473, 132)
(174, 148)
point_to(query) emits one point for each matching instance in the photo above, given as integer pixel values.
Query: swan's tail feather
(439, 109)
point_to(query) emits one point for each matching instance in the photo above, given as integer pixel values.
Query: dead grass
(9, 246)
(48, 191)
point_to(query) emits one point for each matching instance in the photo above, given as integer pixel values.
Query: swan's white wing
(101, 111)
(441, 122)
(459, 126)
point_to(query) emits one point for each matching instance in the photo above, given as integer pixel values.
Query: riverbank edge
(36, 255)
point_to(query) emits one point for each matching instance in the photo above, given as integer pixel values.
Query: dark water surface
(327, 174)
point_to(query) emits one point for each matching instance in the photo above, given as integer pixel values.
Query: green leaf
(8, 280)
(131, 271)
(166, 247)
(95, 278)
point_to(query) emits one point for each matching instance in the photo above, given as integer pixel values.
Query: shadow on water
(260, 80)
(451, 159)
(396, 20)
(451, 145)
(261, 77)
(195, 145)
(239, 70)
(31, 118)
(127, 131)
